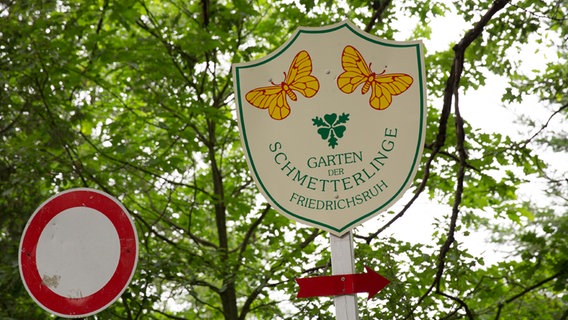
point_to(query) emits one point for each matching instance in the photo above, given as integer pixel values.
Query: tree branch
(451, 91)
(270, 274)
(544, 126)
(461, 303)
(379, 8)
(527, 290)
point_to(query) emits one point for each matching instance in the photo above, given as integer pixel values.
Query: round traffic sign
(78, 252)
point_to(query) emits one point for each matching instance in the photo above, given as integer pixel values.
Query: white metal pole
(343, 262)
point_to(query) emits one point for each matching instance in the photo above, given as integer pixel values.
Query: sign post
(78, 252)
(332, 124)
(343, 262)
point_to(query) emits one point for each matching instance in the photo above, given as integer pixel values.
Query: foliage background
(134, 98)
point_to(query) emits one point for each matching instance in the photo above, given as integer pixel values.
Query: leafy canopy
(134, 98)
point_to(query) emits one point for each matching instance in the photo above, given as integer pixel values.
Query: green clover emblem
(331, 127)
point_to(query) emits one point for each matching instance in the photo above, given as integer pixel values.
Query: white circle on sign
(77, 252)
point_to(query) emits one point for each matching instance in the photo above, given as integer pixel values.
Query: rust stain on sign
(51, 282)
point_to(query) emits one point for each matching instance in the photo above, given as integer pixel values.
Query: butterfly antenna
(283, 80)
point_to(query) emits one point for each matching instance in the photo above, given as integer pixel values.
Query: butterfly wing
(384, 86)
(299, 76)
(272, 98)
(356, 70)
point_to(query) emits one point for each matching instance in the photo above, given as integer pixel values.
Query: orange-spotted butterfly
(383, 86)
(298, 79)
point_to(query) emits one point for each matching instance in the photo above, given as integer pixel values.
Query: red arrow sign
(370, 282)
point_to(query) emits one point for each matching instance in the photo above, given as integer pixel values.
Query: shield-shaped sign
(332, 124)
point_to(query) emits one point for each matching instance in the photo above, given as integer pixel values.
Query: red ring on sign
(97, 301)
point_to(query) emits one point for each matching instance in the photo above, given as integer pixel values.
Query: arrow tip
(376, 282)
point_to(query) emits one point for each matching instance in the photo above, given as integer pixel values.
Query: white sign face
(333, 123)
(78, 253)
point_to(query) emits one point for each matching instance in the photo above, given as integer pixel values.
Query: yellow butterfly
(298, 79)
(383, 86)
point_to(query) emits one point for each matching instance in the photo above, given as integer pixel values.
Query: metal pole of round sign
(78, 253)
